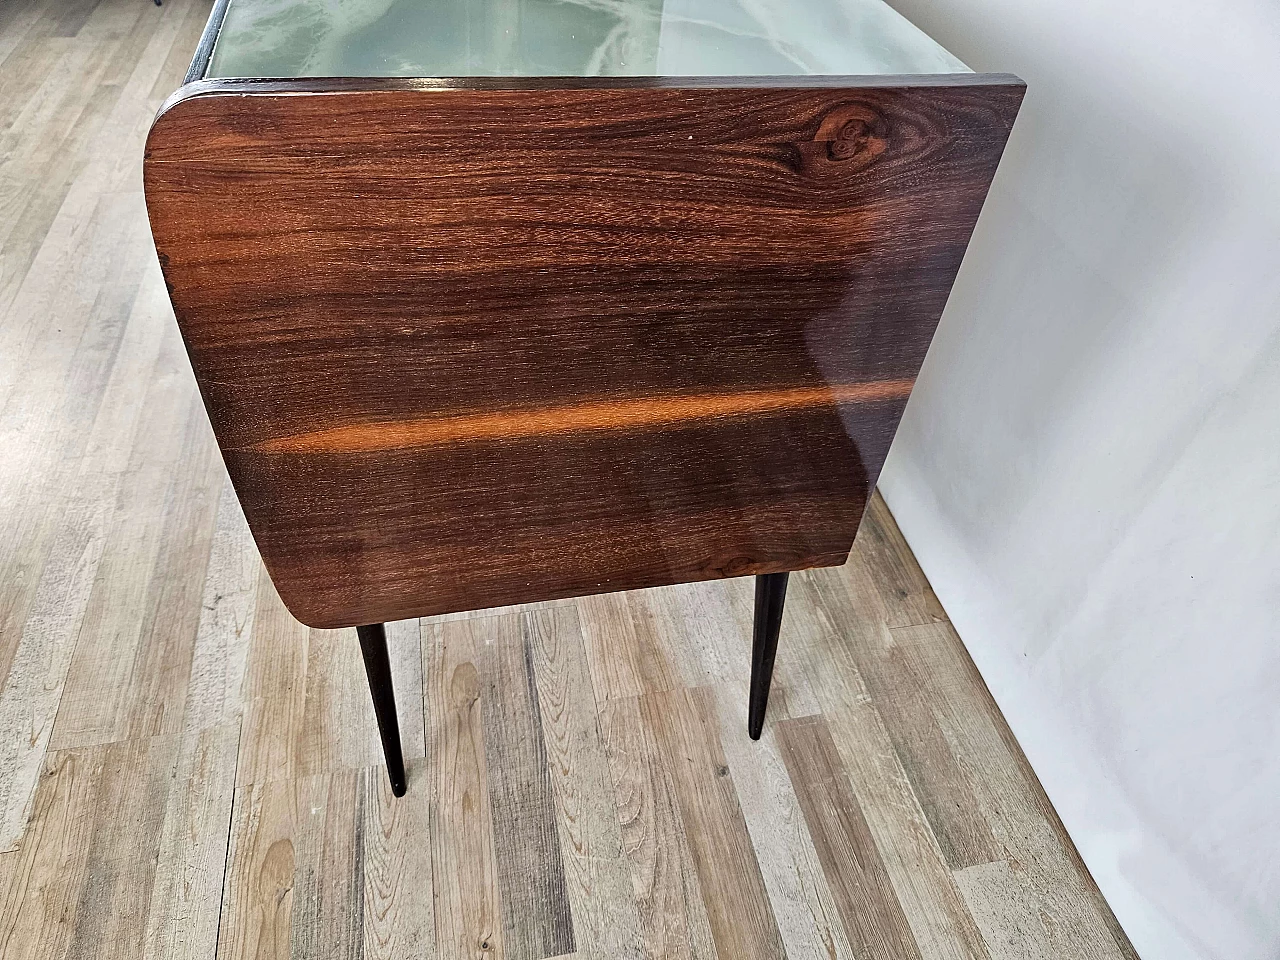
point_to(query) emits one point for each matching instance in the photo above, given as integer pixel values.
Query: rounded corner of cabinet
(298, 601)
(169, 111)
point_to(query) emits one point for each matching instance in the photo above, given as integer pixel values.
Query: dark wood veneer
(469, 343)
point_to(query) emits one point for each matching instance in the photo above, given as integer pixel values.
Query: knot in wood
(854, 134)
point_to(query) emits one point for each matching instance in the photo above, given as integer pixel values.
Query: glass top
(570, 38)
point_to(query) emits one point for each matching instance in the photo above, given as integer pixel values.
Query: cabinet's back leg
(373, 644)
(771, 594)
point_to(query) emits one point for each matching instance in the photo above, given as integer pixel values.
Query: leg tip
(755, 728)
(399, 789)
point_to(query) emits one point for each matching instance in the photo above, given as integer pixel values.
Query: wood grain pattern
(1011, 926)
(186, 894)
(61, 598)
(665, 885)
(799, 892)
(468, 921)
(399, 892)
(82, 886)
(612, 645)
(404, 648)
(733, 891)
(863, 892)
(327, 867)
(275, 691)
(328, 880)
(701, 632)
(677, 353)
(225, 633)
(911, 853)
(101, 700)
(905, 593)
(1024, 825)
(927, 756)
(337, 708)
(531, 881)
(257, 917)
(605, 917)
(81, 347)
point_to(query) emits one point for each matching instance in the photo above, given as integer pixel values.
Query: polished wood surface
(497, 342)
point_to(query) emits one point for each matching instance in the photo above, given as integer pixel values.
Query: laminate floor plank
(188, 31)
(82, 885)
(327, 921)
(927, 756)
(25, 70)
(903, 588)
(55, 133)
(165, 492)
(733, 891)
(338, 729)
(668, 894)
(404, 649)
(258, 886)
(939, 916)
(399, 892)
(27, 205)
(275, 690)
(17, 21)
(72, 16)
(703, 629)
(154, 702)
(49, 403)
(606, 920)
(224, 634)
(536, 921)
(186, 893)
(328, 867)
(925, 886)
(468, 917)
(862, 890)
(1045, 876)
(35, 677)
(798, 889)
(622, 648)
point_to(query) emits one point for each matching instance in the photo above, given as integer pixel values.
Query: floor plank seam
(226, 856)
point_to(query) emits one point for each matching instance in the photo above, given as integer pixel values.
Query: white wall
(1089, 470)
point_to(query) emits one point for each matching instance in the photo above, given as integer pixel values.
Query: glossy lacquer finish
(470, 345)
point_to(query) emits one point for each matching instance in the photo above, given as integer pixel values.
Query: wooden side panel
(468, 347)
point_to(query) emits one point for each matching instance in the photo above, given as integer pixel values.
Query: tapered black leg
(373, 644)
(771, 594)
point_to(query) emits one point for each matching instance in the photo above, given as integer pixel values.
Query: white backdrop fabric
(1089, 469)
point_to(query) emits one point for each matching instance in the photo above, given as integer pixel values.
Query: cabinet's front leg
(771, 594)
(373, 644)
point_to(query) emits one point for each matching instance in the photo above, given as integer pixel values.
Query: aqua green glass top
(570, 38)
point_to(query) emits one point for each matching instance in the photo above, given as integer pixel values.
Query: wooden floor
(185, 771)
